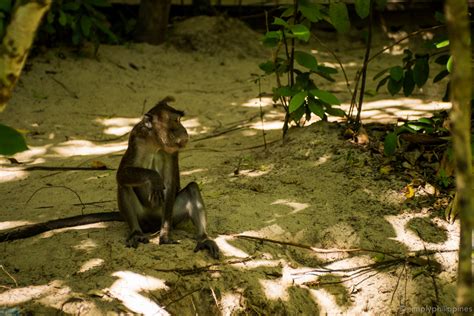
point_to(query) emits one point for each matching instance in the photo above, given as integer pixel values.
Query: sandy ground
(316, 189)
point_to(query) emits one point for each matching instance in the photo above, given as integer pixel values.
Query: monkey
(149, 194)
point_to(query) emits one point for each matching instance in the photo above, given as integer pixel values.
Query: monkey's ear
(147, 119)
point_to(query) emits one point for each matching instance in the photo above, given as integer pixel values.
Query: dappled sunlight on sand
(227, 249)
(48, 294)
(231, 303)
(128, 287)
(297, 207)
(91, 264)
(256, 102)
(85, 147)
(13, 224)
(12, 175)
(51, 233)
(118, 125)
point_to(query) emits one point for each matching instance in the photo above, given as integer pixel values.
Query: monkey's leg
(189, 204)
(131, 208)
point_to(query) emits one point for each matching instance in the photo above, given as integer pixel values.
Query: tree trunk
(152, 21)
(16, 44)
(461, 92)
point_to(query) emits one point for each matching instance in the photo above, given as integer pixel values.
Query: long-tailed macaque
(149, 193)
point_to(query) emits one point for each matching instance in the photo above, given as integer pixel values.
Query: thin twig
(215, 299)
(181, 297)
(398, 282)
(62, 187)
(71, 93)
(9, 275)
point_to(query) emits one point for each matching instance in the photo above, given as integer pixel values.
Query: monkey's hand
(156, 197)
(210, 245)
(135, 238)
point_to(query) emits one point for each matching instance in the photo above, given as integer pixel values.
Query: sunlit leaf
(297, 100)
(325, 96)
(442, 44)
(11, 141)
(449, 64)
(300, 31)
(409, 191)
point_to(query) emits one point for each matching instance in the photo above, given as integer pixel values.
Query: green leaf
(442, 44)
(62, 18)
(71, 6)
(6, 5)
(298, 114)
(279, 21)
(86, 25)
(394, 86)
(297, 100)
(382, 82)
(426, 120)
(285, 91)
(362, 8)
(272, 38)
(443, 73)
(339, 16)
(306, 60)
(288, 12)
(316, 107)
(396, 73)
(449, 64)
(326, 70)
(300, 31)
(268, 67)
(311, 12)
(325, 96)
(11, 141)
(421, 71)
(50, 17)
(335, 111)
(380, 74)
(408, 83)
(415, 127)
(390, 144)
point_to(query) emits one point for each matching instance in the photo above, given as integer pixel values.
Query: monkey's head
(164, 124)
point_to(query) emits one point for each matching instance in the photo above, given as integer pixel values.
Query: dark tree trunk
(153, 21)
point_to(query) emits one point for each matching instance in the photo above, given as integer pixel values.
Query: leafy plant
(11, 141)
(300, 95)
(80, 20)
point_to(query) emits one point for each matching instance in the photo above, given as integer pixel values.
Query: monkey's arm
(147, 184)
(35, 229)
(171, 175)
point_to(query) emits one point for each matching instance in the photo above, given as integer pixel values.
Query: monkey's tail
(35, 229)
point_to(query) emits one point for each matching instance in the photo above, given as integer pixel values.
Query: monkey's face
(167, 131)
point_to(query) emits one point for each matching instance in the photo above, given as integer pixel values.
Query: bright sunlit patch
(227, 249)
(21, 295)
(13, 224)
(12, 175)
(194, 127)
(389, 110)
(322, 160)
(231, 303)
(82, 227)
(190, 172)
(267, 125)
(297, 207)
(85, 147)
(274, 289)
(256, 102)
(251, 173)
(117, 125)
(91, 264)
(326, 302)
(86, 245)
(252, 264)
(128, 287)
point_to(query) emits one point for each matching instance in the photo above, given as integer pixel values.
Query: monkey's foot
(135, 238)
(210, 245)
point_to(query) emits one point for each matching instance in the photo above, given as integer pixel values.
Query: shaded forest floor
(316, 189)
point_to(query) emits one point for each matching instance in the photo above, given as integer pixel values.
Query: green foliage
(443, 179)
(339, 16)
(79, 20)
(433, 125)
(11, 141)
(6, 7)
(300, 95)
